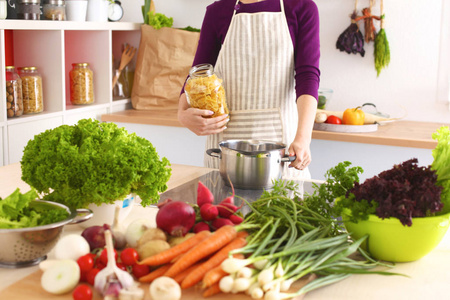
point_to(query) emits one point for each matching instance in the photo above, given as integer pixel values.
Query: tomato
(140, 270)
(99, 264)
(90, 277)
(86, 262)
(82, 292)
(122, 266)
(333, 120)
(129, 256)
(104, 256)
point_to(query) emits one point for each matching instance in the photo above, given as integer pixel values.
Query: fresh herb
(17, 211)
(158, 20)
(351, 40)
(93, 162)
(189, 28)
(441, 164)
(406, 191)
(381, 51)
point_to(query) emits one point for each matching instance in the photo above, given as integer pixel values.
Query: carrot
(211, 244)
(242, 234)
(169, 254)
(215, 274)
(180, 276)
(155, 274)
(212, 290)
(196, 275)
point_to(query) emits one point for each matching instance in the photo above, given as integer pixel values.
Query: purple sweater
(303, 22)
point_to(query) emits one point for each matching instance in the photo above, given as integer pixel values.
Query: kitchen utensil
(25, 247)
(127, 56)
(375, 111)
(250, 164)
(389, 240)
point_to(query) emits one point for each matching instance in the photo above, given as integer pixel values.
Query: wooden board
(345, 128)
(30, 288)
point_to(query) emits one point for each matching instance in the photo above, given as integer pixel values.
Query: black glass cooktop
(188, 191)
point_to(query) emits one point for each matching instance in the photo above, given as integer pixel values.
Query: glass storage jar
(81, 84)
(14, 102)
(29, 9)
(55, 10)
(204, 90)
(33, 100)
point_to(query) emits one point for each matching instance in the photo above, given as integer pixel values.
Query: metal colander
(28, 246)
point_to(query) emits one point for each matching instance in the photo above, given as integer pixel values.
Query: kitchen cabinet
(52, 47)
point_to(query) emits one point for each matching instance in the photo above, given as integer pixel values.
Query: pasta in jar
(81, 84)
(33, 100)
(204, 90)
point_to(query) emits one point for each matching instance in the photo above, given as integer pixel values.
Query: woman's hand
(198, 120)
(302, 152)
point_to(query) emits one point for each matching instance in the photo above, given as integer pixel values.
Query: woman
(267, 53)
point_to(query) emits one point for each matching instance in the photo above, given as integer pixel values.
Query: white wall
(417, 77)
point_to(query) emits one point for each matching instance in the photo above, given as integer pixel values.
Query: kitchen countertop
(428, 277)
(412, 134)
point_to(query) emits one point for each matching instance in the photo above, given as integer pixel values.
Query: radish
(226, 209)
(61, 277)
(176, 218)
(219, 222)
(201, 226)
(236, 219)
(204, 195)
(209, 212)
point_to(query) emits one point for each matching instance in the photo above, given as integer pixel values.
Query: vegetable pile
(93, 162)
(19, 211)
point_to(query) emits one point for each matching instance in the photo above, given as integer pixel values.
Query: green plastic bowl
(390, 240)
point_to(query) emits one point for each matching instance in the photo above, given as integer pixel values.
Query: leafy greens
(93, 162)
(441, 164)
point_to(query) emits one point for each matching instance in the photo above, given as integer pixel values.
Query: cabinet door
(20, 134)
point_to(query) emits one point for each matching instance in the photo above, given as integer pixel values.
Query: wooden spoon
(127, 56)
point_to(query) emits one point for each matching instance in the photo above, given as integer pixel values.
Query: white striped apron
(256, 63)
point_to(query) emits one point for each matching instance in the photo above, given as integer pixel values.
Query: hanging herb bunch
(381, 51)
(352, 40)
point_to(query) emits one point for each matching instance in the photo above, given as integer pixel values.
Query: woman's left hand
(303, 155)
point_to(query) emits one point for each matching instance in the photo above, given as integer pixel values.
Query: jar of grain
(81, 84)
(55, 10)
(33, 100)
(14, 103)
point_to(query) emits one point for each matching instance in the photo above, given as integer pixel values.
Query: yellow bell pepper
(353, 116)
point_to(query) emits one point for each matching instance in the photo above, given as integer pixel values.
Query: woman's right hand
(199, 120)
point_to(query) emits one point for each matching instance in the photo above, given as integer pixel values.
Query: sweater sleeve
(307, 50)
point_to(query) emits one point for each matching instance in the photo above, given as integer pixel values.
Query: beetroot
(176, 218)
(219, 222)
(201, 226)
(209, 212)
(236, 219)
(226, 209)
(204, 195)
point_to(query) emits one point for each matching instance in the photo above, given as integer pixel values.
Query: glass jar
(33, 100)
(55, 10)
(81, 84)
(3, 9)
(14, 102)
(204, 90)
(29, 10)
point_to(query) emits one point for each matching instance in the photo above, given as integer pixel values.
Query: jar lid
(80, 64)
(31, 1)
(10, 67)
(56, 2)
(201, 70)
(28, 68)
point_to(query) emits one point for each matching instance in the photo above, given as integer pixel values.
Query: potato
(151, 248)
(150, 235)
(175, 240)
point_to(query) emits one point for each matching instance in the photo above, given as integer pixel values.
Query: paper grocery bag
(163, 62)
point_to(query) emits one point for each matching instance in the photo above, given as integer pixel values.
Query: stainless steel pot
(250, 164)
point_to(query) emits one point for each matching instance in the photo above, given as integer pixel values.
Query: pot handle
(215, 152)
(288, 158)
(80, 211)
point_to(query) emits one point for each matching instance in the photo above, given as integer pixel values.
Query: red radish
(176, 218)
(209, 212)
(201, 226)
(204, 195)
(226, 209)
(219, 222)
(236, 219)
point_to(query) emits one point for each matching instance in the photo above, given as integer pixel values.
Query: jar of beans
(33, 100)
(14, 103)
(81, 84)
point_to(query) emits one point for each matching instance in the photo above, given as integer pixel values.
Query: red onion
(95, 236)
(176, 218)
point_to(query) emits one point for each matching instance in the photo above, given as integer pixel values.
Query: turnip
(71, 246)
(204, 195)
(135, 230)
(209, 212)
(165, 288)
(176, 218)
(61, 277)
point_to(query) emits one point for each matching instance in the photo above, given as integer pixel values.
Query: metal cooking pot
(250, 164)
